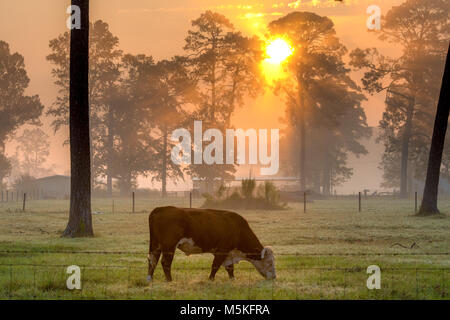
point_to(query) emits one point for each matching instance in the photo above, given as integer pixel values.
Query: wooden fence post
(133, 201)
(24, 201)
(415, 201)
(359, 201)
(304, 202)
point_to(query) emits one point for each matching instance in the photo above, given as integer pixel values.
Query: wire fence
(358, 254)
(295, 280)
(138, 203)
(122, 274)
(128, 205)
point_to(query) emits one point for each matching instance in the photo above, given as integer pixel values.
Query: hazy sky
(158, 28)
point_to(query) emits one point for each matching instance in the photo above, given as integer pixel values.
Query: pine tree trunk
(405, 151)
(326, 180)
(302, 124)
(430, 193)
(80, 218)
(316, 183)
(2, 152)
(164, 165)
(109, 183)
(110, 147)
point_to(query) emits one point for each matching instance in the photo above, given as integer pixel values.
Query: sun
(278, 50)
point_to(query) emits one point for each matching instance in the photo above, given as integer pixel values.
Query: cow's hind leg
(153, 259)
(217, 262)
(230, 270)
(166, 262)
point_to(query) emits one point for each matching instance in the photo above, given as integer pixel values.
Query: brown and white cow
(225, 234)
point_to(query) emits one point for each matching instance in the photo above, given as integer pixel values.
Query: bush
(248, 187)
(221, 191)
(267, 197)
(271, 193)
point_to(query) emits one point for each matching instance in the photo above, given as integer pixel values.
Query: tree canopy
(16, 108)
(323, 102)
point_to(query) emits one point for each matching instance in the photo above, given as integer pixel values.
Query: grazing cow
(225, 234)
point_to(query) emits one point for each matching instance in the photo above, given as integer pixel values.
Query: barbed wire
(176, 267)
(144, 252)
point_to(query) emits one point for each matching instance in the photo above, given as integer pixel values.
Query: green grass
(320, 254)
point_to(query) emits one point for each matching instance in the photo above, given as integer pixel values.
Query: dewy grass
(321, 254)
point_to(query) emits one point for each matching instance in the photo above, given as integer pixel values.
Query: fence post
(359, 202)
(304, 202)
(113, 206)
(415, 201)
(24, 201)
(190, 199)
(133, 201)
(7, 195)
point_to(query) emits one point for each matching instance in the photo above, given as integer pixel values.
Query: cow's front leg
(230, 270)
(217, 262)
(166, 262)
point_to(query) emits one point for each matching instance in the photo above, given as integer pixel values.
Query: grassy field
(320, 254)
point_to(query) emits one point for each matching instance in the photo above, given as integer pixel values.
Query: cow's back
(211, 230)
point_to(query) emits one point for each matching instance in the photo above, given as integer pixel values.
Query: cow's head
(266, 266)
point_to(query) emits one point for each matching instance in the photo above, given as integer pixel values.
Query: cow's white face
(266, 266)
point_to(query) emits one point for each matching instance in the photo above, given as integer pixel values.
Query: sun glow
(278, 51)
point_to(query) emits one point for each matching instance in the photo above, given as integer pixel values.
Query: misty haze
(292, 136)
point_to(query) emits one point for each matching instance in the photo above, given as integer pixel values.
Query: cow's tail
(152, 233)
(152, 259)
(151, 227)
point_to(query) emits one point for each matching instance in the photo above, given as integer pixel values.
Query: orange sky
(158, 28)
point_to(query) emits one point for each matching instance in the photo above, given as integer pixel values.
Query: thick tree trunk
(80, 218)
(164, 165)
(429, 200)
(405, 151)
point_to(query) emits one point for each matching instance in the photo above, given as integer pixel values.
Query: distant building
(54, 187)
